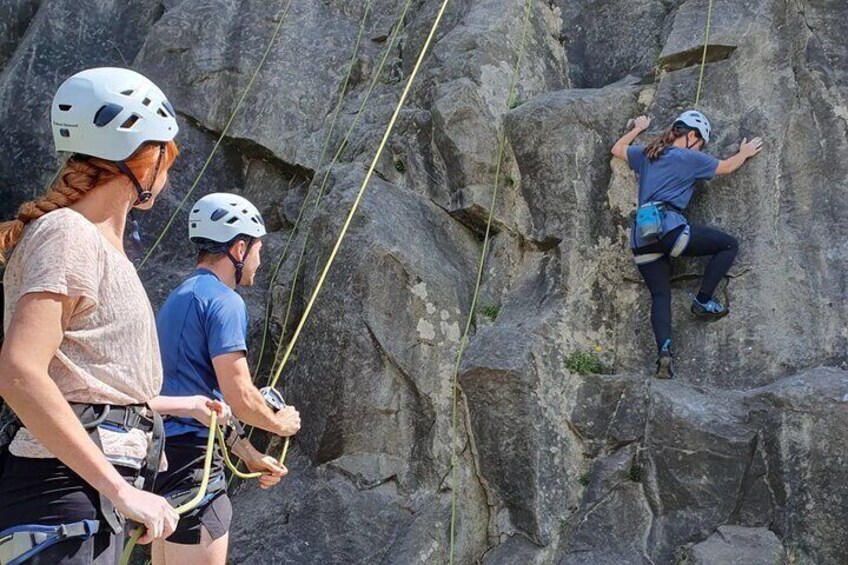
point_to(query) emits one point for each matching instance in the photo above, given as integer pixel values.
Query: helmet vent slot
(130, 122)
(218, 214)
(106, 114)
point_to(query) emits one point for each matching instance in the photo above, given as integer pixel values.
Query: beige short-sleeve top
(109, 353)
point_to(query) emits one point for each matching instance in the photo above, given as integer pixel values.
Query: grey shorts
(215, 515)
(185, 455)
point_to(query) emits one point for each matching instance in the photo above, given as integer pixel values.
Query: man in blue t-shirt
(203, 333)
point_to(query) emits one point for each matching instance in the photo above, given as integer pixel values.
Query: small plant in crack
(635, 473)
(584, 479)
(490, 311)
(400, 166)
(585, 363)
(790, 556)
(681, 555)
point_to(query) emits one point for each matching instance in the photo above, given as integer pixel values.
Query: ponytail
(663, 141)
(79, 175)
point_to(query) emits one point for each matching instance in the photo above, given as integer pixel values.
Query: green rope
(326, 144)
(704, 55)
(220, 137)
(480, 264)
(389, 47)
(357, 201)
(378, 73)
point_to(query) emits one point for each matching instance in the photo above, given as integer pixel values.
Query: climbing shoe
(665, 361)
(710, 310)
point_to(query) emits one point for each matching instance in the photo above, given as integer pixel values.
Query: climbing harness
(648, 225)
(677, 249)
(22, 542)
(220, 138)
(463, 342)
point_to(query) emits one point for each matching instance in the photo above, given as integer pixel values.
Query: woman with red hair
(80, 365)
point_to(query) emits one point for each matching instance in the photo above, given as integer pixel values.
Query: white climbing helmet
(109, 113)
(696, 120)
(221, 217)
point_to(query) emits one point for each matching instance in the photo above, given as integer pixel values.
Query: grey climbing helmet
(109, 113)
(697, 121)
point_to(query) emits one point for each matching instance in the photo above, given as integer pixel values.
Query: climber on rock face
(203, 334)
(667, 169)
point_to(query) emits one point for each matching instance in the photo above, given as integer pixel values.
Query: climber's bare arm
(640, 124)
(747, 149)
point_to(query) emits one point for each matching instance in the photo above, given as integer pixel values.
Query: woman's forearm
(620, 148)
(42, 409)
(727, 166)
(180, 406)
(34, 335)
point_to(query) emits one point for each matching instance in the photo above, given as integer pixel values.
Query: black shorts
(185, 454)
(47, 492)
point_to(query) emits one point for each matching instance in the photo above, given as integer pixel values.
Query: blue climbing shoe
(711, 310)
(665, 361)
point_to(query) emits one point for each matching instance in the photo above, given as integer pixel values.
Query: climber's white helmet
(221, 217)
(696, 120)
(109, 113)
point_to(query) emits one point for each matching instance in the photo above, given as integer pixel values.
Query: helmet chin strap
(142, 196)
(239, 264)
(697, 139)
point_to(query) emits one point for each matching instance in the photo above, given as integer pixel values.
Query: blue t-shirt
(201, 319)
(670, 179)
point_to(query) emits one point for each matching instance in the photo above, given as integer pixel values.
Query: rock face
(742, 457)
(732, 545)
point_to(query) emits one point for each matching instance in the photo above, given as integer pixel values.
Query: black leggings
(45, 491)
(657, 275)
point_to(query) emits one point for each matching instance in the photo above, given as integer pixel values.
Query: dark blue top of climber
(670, 179)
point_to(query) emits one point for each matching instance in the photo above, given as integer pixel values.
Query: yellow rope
(342, 145)
(704, 55)
(226, 455)
(356, 203)
(377, 74)
(480, 264)
(220, 138)
(191, 504)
